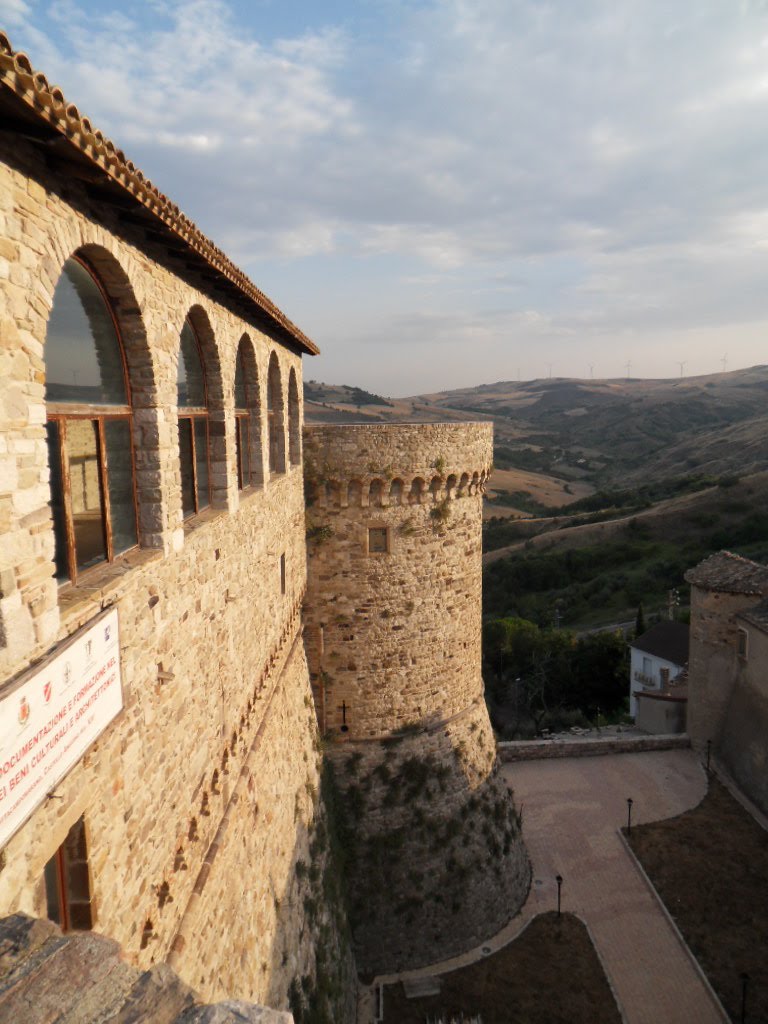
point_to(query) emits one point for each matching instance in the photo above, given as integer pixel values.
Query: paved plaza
(572, 809)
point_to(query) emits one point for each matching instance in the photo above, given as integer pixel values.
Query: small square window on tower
(378, 540)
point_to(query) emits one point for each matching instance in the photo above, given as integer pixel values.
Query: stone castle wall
(392, 634)
(712, 666)
(408, 617)
(743, 744)
(202, 797)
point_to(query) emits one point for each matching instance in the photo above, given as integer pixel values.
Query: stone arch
(355, 493)
(463, 484)
(246, 358)
(215, 402)
(450, 486)
(416, 492)
(143, 393)
(294, 420)
(436, 487)
(376, 493)
(332, 493)
(475, 483)
(396, 492)
(275, 417)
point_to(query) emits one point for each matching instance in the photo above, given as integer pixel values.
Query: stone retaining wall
(534, 750)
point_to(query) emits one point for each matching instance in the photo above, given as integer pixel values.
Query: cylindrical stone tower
(392, 632)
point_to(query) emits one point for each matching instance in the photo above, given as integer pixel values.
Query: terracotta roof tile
(47, 105)
(730, 574)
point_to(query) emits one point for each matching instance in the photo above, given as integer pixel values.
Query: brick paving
(572, 809)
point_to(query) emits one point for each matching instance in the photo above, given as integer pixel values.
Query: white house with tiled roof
(657, 658)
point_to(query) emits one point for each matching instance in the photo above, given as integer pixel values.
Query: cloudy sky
(450, 192)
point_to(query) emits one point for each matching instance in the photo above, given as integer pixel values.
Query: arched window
(194, 436)
(376, 493)
(416, 492)
(90, 447)
(247, 418)
(275, 417)
(294, 428)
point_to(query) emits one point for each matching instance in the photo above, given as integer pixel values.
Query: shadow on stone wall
(433, 843)
(743, 743)
(314, 894)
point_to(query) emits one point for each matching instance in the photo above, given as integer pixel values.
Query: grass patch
(550, 975)
(710, 867)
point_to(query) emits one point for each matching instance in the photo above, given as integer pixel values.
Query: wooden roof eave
(40, 113)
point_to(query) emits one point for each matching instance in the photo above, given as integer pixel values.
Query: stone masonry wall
(712, 666)
(202, 796)
(437, 862)
(743, 747)
(408, 618)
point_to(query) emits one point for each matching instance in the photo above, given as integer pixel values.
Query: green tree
(640, 621)
(601, 671)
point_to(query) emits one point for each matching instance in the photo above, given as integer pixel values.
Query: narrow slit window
(743, 644)
(282, 574)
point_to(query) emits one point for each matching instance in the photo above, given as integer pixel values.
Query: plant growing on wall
(440, 514)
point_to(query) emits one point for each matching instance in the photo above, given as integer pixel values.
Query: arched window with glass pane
(194, 434)
(247, 417)
(275, 417)
(294, 418)
(89, 426)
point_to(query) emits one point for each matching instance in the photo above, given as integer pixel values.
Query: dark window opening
(743, 644)
(67, 883)
(282, 574)
(378, 540)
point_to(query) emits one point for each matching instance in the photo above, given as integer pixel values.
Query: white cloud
(549, 171)
(13, 12)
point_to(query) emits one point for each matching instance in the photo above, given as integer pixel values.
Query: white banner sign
(53, 714)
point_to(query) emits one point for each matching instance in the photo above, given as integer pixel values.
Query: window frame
(378, 526)
(243, 414)
(59, 413)
(194, 413)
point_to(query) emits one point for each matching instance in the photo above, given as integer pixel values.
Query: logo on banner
(48, 691)
(107, 634)
(67, 674)
(23, 711)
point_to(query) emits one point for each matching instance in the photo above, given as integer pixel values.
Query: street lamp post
(629, 814)
(559, 880)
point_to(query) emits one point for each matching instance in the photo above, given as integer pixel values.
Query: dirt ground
(549, 975)
(710, 867)
(547, 490)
